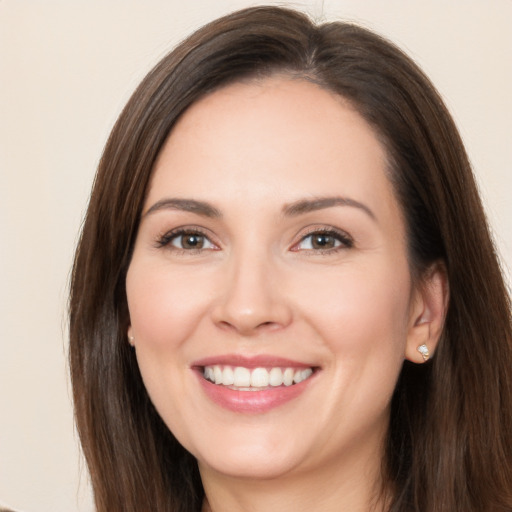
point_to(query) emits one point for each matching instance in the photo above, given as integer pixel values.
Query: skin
(259, 286)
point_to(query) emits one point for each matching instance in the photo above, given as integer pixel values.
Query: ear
(131, 339)
(428, 310)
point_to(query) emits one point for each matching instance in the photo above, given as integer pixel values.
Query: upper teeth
(257, 378)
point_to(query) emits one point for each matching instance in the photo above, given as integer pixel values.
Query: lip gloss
(257, 402)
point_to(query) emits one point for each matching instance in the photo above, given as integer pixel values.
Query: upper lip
(257, 361)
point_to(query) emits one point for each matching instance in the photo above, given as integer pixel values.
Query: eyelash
(343, 239)
(167, 239)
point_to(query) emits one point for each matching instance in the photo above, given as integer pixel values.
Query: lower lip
(255, 402)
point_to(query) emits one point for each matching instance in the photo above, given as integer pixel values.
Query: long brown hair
(450, 437)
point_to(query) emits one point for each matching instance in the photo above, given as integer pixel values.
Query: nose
(253, 299)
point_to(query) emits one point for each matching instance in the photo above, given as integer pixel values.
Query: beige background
(66, 69)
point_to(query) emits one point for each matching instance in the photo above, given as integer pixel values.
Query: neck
(352, 486)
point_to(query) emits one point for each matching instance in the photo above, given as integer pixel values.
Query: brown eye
(324, 241)
(190, 241)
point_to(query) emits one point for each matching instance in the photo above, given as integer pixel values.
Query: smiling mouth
(255, 379)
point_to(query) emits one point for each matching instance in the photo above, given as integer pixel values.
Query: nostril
(226, 325)
(267, 326)
(249, 327)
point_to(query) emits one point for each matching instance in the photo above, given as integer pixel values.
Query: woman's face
(271, 248)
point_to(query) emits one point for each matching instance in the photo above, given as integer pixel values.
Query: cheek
(165, 310)
(362, 310)
(165, 307)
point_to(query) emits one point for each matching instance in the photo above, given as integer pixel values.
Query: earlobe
(428, 313)
(131, 339)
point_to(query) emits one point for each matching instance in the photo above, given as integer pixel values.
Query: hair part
(449, 439)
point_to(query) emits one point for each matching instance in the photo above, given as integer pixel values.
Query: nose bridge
(252, 298)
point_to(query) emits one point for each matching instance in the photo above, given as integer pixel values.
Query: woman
(285, 293)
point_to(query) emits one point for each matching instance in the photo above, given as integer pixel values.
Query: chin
(246, 466)
(260, 455)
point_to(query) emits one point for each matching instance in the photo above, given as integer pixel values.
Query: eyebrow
(187, 205)
(294, 209)
(319, 203)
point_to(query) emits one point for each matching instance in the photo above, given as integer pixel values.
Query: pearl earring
(423, 350)
(131, 341)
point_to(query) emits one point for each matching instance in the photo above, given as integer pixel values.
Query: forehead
(280, 136)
